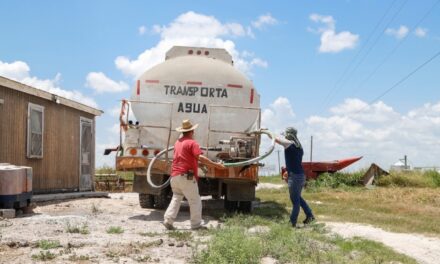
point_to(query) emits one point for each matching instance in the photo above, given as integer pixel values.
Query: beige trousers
(182, 187)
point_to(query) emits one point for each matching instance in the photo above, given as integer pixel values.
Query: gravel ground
(143, 239)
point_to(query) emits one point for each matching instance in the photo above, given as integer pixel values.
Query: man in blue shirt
(293, 153)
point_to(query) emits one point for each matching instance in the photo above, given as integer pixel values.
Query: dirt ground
(423, 249)
(143, 239)
(81, 228)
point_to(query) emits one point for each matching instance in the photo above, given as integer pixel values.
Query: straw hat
(186, 126)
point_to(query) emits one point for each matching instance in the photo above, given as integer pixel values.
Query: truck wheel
(231, 206)
(245, 206)
(162, 200)
(146, 200)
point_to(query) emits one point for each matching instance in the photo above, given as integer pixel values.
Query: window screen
(35, 131)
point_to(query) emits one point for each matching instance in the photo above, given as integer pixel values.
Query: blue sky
(296, 53)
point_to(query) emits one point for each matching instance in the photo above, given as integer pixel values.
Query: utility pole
(311, 148)
(279, 166)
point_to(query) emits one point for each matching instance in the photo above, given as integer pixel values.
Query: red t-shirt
(185, 152)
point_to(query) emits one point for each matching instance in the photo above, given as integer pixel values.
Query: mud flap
(240, 191)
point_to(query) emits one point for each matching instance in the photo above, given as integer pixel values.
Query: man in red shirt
(184, 176)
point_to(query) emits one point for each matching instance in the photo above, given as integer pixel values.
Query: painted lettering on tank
(196, 91)
(201, 91)
(192, 108)
(181, 90)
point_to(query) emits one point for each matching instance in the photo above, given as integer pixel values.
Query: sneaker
(168, 226)
(309, 220)
(294, 226)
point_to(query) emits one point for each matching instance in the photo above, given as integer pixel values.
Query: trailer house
(53, 135)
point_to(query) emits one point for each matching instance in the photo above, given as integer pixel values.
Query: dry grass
(397, 209)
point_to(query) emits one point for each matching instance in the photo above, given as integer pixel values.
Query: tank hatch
(219, 54)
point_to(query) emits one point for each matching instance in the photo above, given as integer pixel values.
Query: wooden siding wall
(59, 169)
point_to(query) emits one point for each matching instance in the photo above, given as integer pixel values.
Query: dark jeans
(296, 183)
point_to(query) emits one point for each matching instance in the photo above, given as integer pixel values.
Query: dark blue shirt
(293, 156)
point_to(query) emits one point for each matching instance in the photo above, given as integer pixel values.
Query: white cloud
(264, 20)
(278, 115)
(142, 30)
(191, 29)
(421, 32)
(99, 82)
(331, 41)
(356, 128)
(20, 71)
(399, 33)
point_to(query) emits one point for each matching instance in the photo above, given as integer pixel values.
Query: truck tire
(230, 206)
(146, 200)
(245, 206)
(162, 200)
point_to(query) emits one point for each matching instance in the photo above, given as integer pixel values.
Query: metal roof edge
(21, 87)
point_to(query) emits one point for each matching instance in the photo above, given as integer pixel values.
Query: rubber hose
(232, 164)
(167, 182)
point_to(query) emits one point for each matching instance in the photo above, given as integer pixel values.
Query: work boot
(309, 220)
(168, 226)
(200, 227)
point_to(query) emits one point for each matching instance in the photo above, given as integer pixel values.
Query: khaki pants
(182, 187)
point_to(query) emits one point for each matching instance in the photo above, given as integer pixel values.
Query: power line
(362, 83)
(406, 77)
(370, 49)
(359, 52)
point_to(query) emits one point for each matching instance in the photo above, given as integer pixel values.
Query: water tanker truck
(200, 84)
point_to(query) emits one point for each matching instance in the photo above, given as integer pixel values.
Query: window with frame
(35, 131)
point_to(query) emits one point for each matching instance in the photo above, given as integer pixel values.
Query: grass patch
(235, 244)
(231, 245)
(75, 257)
(418, 179)
(180, 235)
(44, 256)
(397, 209)
(77, 229)
(149, 234)
(115, 230)
(48, 244)
(276, 179)
(126, 175)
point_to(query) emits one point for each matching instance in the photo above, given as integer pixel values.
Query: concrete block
(7, 213)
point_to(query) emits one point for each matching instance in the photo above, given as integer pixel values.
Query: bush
(427, 179)
(336, 180)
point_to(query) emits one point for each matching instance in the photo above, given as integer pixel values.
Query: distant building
(399, 166)
(53, 135)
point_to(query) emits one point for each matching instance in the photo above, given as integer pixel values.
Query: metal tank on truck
(200, 84)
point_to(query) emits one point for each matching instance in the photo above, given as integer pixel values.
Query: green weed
(77, 229)
(115, 230)
(77, 258)
(48, 244)
(179, 235)
(44, 256)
